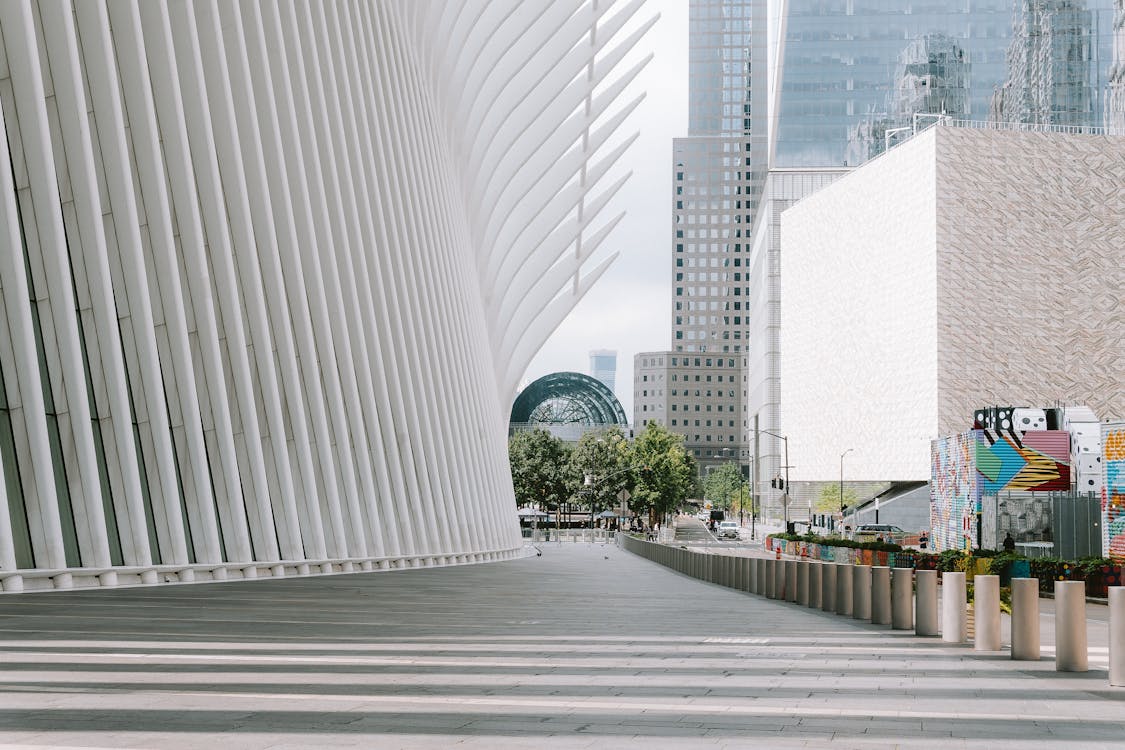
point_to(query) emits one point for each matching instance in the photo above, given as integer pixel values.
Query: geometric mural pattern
(1113, 490)
(1038, 463)
(969, 465)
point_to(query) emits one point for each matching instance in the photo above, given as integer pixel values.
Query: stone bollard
(803, 582)
(1071, 653)
(954, 623)
(779, 580)
(881, 595)
(902, 598)
(816, 571)
(755, 588)
(745, 581)
(828, 587)
(790, 580)
(986, 613)
(763, 585)
(926, 603)
(771, 577)
(1025, 619)
(844, 581)
(1117, 636)
(861, 592)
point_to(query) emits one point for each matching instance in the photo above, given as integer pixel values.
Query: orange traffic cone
(779, 553)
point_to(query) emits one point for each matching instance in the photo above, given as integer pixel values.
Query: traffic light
(777, 483)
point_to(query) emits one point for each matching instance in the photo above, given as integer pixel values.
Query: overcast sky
(629, 309)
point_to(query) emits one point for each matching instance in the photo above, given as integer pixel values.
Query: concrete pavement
(586, 646)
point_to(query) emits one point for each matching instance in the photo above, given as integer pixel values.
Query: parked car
(870, 532)
(727, 530)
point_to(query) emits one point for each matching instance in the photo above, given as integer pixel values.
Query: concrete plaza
(586, 646)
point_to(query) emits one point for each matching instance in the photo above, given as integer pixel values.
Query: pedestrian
(1009, 543)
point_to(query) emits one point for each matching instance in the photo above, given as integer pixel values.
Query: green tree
(540, 468)
(665, 475)
(829, 499)
(724, 487)
(605, 458)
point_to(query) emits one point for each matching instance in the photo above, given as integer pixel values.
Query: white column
(1071, 652)
(176, 373)
(803, 582)
(56, 299)
(986, 613)
(828, 587)
(926, 602)
(816, 574)
(881, 595)
(861, 592)
(845, 586)
(1025, 619)
(954, 622)
(25, 396)
(902, 602)
(1117, 636)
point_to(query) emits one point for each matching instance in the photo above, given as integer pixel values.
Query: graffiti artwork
(1113, 490)
(954, 491)
(1035, 461)
(965, 467)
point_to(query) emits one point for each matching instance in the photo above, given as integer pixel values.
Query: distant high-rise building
(603, 366)
(711, 229)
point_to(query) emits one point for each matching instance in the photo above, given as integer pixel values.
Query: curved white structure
(270, 272)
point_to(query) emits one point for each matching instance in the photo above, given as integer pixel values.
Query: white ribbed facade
(270, 273)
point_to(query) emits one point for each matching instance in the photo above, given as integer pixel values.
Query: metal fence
(1044, 524)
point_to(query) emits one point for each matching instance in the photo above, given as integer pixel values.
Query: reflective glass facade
(853, 69)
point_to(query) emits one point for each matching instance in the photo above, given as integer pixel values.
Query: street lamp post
(849, 450)
(785, 492)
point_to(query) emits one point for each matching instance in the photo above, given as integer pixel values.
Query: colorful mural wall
(954, 491)
(1113, 490)
(986, 462)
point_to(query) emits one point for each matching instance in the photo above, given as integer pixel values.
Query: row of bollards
(905, 599)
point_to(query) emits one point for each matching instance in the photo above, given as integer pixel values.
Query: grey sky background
(629, 308)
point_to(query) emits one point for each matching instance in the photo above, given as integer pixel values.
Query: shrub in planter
(1095, 571)
(1048, 570)
(949, 560)
(1001, 565)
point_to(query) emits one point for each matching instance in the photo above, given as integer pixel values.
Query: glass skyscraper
(848, 65)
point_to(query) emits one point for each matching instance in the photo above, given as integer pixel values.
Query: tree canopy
(829, 499)
(669, 473)
(655, 470)
(725, 488)
(601, 466)
(539, 463)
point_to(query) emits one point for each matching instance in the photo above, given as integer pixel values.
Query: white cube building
(964, 268)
